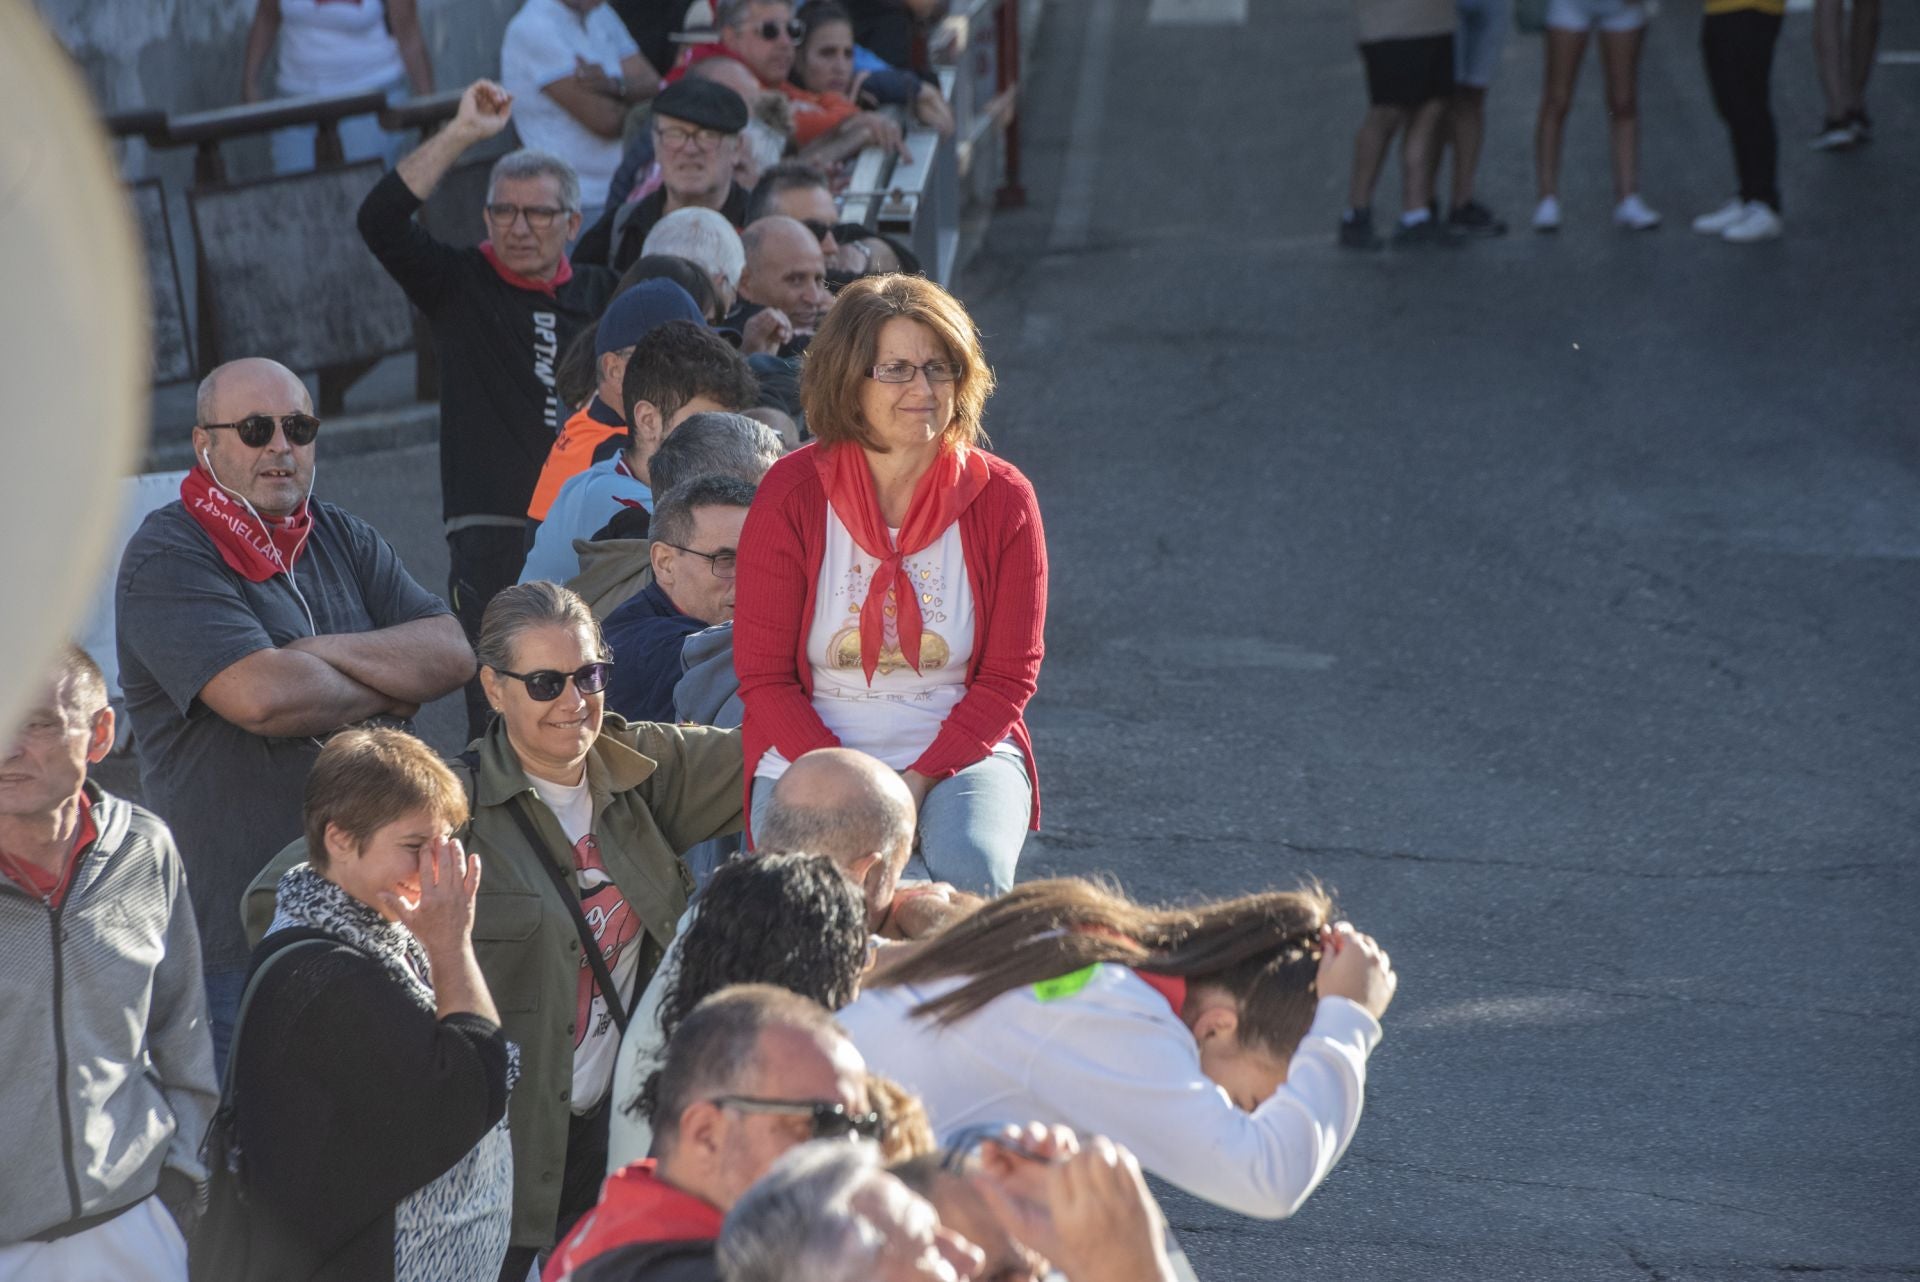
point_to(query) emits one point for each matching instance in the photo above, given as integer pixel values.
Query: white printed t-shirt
(596, 1040)
(541, 46)
(898, 716)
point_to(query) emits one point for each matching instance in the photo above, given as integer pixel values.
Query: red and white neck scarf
(255, 548)
(561, 275)
(954, 481)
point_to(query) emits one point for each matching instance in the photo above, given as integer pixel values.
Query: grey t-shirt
(232, 797)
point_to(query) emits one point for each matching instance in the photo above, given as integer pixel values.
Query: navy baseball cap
(642, 309)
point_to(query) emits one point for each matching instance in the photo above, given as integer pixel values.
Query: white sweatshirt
(1112, 1058)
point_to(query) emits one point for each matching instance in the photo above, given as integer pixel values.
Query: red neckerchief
(254, 549)
(1172, 987)
(52, 887)
(561, 275)
(700, 53)
(954, 481)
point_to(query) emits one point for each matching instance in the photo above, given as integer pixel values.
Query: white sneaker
(1759, 222)
(1546, 215)
(1634, 215)
(1835, 135)
(1720, 219)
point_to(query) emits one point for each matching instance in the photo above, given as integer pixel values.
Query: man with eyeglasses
(753, 1071)
(254, 620)
(695, 532)
(696, 140)
(502, 313)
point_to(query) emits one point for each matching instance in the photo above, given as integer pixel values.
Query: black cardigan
(348, 1097)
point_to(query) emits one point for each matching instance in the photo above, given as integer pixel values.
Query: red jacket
(781, 549)
(640, 1220)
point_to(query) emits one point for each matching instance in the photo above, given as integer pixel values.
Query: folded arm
(414, 662)
(285, 693)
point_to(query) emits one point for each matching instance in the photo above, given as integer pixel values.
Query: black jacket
(497, 345)
(652, 1262)
(348, 1097)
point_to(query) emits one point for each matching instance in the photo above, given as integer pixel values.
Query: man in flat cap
(696, 139)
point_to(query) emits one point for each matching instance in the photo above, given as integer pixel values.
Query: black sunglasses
(831, 1120)
(545, 685)
(772, 27)
(256, 430)
(819, 229)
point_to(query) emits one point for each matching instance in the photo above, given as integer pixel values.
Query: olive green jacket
(657, 790)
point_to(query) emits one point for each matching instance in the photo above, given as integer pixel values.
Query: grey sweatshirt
(106, 1065)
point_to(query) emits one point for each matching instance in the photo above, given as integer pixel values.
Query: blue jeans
(224, 990)
(972, 825)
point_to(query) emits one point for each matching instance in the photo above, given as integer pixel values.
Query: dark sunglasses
(831, 1120)
(545, 685)
(772, 27)
(819, 229)
(256, 430)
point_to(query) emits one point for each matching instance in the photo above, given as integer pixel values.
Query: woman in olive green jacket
(566, 796)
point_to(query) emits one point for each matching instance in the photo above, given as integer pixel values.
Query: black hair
(680, 360)
(683, 272)
(788, 175)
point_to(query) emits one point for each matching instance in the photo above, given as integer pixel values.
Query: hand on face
(441, 917)
(1086, 1208)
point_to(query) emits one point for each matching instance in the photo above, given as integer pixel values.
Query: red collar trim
(42, 885)
(1171, 987)
(636, 1205)
(561, 275)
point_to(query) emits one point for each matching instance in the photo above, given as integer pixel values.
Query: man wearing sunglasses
(253, 620)
(752, 1072)
(695, 532)
(502, 312)
(800, 191)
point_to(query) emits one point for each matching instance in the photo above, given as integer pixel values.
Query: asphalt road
(1553, 600)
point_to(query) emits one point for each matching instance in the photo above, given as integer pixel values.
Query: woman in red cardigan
(892, 586)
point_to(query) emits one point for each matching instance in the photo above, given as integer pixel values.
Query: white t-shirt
(1103, 1052)
(900, 714)
(336, 46)
(541, 45)
(596, 1040)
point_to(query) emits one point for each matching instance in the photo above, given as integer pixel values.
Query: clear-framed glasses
(676, 137)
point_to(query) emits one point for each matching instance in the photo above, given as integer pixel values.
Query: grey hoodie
(106, 1065)
(611, 570)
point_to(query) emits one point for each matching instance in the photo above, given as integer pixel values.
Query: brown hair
(842, 351)
(363, 780)
(1263, 949)
(516, 609)
(906, 1130)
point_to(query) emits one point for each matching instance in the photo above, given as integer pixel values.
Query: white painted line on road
(1197, 13)
(1073, 213)
(1900, 58)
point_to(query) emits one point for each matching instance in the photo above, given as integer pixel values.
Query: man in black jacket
(502, 313)
(751, 1072)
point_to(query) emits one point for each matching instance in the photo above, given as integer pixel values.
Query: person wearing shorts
(1407, 49)
(1477, 44)
(1622, 25)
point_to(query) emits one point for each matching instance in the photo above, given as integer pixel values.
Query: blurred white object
(74, 353)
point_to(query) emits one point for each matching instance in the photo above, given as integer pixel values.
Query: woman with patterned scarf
(369, 1089)
(892, 587)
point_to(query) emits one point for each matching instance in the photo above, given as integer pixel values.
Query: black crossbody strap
(602, 978)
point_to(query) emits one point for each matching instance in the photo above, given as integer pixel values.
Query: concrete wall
(185, 55)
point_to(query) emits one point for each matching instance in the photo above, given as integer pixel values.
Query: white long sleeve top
(1110, 1056)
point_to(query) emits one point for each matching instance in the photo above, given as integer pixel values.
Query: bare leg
(1830, 55)
(1370, 152)
(1862, 45)
(1620, 58)
(1564, 50)
(1467, 125)
(1416, 154)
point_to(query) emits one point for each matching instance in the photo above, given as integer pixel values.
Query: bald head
(849, 807)
(274, 477)
(249, 381)
(785, 269)
(730, 72)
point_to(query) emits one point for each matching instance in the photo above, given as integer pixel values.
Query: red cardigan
(781, 549)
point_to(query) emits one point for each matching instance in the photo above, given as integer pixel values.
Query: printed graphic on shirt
(850, 593)
(596, 1041)
(546, 350)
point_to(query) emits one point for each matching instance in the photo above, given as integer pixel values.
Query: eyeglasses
(723, 564)
(772, 27)
(545, 685)
(903, 372)
(831, 1120)
(674, 137)
(539, 217)
(819, 229)
(255, 430)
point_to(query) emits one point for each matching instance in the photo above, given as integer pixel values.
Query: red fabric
(1171, 987)
(698, 53)
(815, 115)
(561, 274)
(781, 549)
(254, 548)
(636, 1205)
(949, 487)
(53, 886)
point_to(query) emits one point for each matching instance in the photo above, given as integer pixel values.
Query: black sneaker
(1475, 219)
(1356, 231)
(1428, 233)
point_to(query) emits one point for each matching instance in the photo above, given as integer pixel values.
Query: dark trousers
(1738, 49)
(483, 559)
(580, 1184)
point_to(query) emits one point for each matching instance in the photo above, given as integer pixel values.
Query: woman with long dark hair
(1225, 1044)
